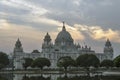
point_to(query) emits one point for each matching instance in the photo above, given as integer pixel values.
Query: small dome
(47, 38)
(108, 43)
(35, 51)
(18, 43)
(64, 36)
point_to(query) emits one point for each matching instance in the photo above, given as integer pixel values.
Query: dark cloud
(13, 10)
(103, 13)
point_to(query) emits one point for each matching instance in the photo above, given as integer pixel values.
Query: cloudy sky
(88, 21)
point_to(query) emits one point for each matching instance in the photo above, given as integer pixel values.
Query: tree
(117, 61)
(107, 63)
(41, 62)
(27, 62)
(65, 62)
(3, 78)
(4, 61)
(87, 60)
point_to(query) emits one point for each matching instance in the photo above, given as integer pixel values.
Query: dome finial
(47, 33)
(63, 23)
(63, 26)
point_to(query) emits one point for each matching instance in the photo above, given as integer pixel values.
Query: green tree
(4, 61)
(41, 62)
(65, 62)
(87, 60)
(117, 61)
(27, 62)
(3, 78)
(107, 63)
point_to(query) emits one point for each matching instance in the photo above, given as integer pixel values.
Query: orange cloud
(97, 33)
(30, 37)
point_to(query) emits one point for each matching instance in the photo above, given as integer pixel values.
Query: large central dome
(64, 37)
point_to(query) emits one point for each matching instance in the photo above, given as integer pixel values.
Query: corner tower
(18, 47)
(108, 50)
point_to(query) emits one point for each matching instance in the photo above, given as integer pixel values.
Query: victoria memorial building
(63, 46)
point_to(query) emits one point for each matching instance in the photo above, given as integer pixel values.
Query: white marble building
(63, 46)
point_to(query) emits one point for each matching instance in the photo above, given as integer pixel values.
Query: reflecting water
(55, 77)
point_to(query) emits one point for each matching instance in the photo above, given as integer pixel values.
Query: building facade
(63, 46)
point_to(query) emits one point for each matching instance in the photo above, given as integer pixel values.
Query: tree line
(84, 60)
